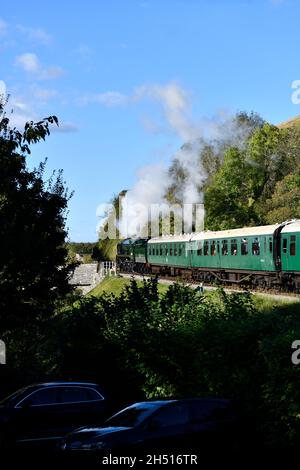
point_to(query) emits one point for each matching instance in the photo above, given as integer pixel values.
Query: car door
(167, 429)
(80, 406)
(35, 415)
(211, 423)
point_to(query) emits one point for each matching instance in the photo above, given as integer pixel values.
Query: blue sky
(130, 81)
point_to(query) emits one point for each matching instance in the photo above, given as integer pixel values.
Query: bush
(182, 343)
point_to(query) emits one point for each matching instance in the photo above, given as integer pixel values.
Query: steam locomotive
(266, 256)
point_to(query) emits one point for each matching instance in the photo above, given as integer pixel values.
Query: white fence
(107, 268)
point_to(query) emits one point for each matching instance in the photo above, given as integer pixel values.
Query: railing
(107, 268)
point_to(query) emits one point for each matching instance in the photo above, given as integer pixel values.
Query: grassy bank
(115, 285)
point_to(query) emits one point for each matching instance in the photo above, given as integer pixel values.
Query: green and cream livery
(267, 256)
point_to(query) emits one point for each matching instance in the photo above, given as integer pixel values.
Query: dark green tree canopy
(33, 260)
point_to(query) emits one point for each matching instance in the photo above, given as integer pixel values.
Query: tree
(251, 178)
(229, 199)
(285, 201)
(33, 259)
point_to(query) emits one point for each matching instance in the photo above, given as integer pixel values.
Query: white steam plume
(154, 180)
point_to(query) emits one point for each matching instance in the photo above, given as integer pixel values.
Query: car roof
(64, 383)
(153, 403)
(160, 402)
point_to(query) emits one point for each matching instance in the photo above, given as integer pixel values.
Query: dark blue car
(43, 413)
(166, 426)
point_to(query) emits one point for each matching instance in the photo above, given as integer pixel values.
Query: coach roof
(235, 233)
(185, 237)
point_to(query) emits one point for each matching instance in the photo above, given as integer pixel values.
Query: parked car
(164, 426)
(43, 413)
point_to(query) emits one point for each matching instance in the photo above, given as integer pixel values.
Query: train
(264, 256)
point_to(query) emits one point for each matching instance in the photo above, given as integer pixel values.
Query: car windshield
(13, 396)
(131, 417)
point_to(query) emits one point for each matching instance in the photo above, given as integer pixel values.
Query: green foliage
(182, 343)
(115, 285)
(107, 246)
(82, 248)
(107, 249)
(256, 184)
(285, 201)
(33, 268)
(206, 155)
(231, 194)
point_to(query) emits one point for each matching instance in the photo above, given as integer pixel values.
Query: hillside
(293, 122)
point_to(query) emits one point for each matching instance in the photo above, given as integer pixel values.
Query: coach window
(167, 251)
(224, 245)
(180, 250)
(233, 247)
(175, 250)
(160, 250)
(244, 246)
(293, 245)
(171, 251)
(213, 248)
(255, 247)
(284, 245)
(206, 248)
(270, 245)
(200, 248)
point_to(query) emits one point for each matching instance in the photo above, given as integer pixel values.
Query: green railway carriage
(267, 256)
(169, 252)
(239, 250)
(290, 248)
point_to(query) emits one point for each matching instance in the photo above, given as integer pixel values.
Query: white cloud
(2, 89)
(65, 126)
(21, 110)
(44, 94)
(30, 63)
(173, 100)
(84, 51)
(35, 34)
(3, 27)
(109, 99)
(175, 104)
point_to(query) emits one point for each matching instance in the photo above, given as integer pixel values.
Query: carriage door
(284, 252)
(218, 254)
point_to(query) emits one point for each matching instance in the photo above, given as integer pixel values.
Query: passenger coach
(268, 256)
